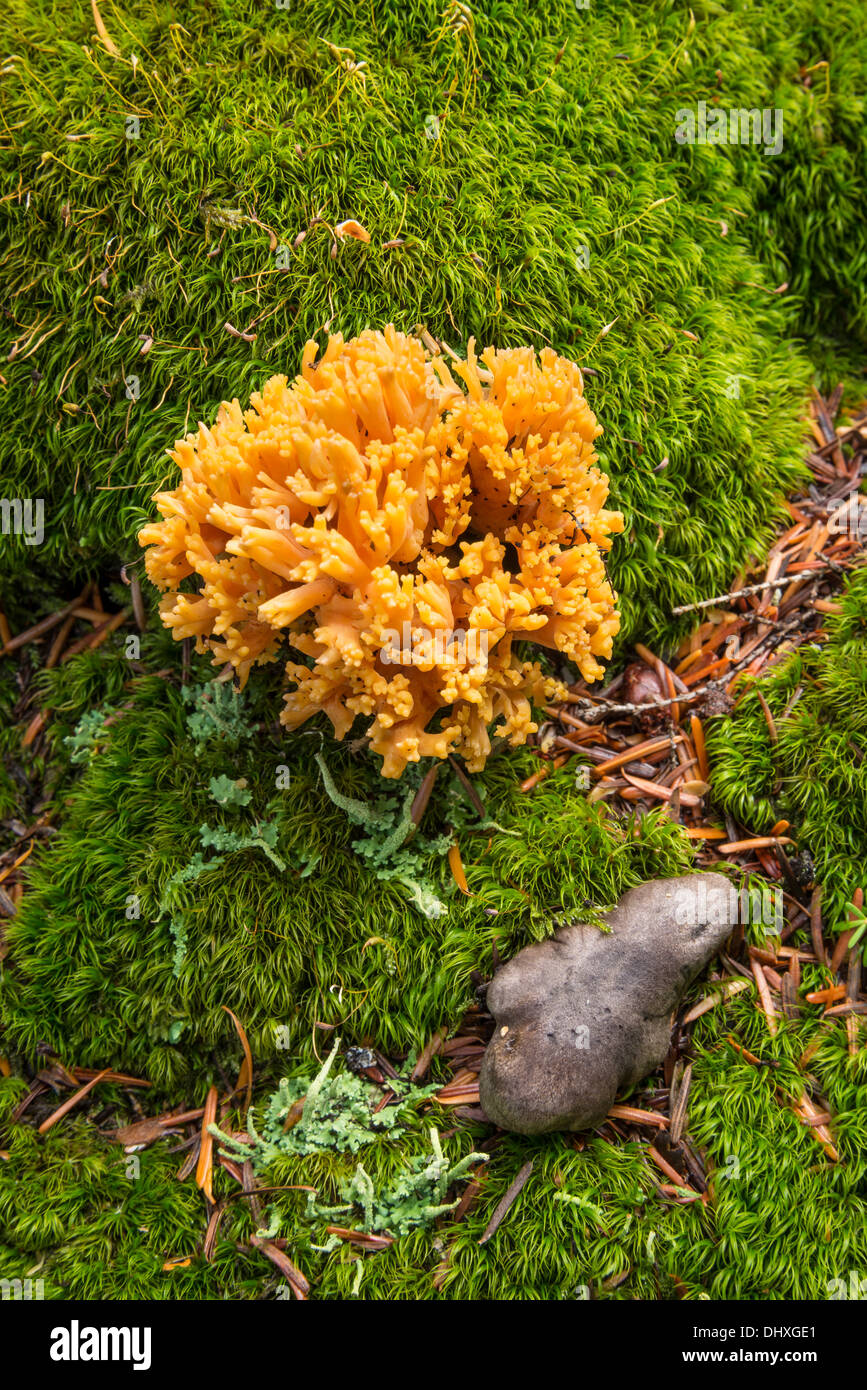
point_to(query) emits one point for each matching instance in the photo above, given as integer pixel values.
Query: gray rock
(586, 1013)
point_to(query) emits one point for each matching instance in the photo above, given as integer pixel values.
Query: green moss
(99, 1223)
(815, 774)
(124, 258)
(12, 772)
(91, 963)
(783, 1221)
(807, 220)
(536, 159)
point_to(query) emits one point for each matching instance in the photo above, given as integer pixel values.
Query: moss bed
(526, 164)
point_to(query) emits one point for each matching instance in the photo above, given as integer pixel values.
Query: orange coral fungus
(399, 529)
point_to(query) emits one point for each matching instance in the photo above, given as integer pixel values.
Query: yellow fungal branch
(398, 523)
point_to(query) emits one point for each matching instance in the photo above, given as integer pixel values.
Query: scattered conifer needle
(46, 625)
(205, 1165)
(680, 1194)
(457, 868)
(505, 1202)
(769, 718)
(85, 1074)
(295, 1115)
(764, 996)
(369, 1240)
(760, 842)
(245, 1075)
(813, 1119)
(816, 925)
(97, 637)
(661, 793)
(697, 731)
(422, 796)
(530, 782)
(465, 1093)
(422, 1066)
(638, 1117)
(665, 1166)
(710, 1001)
(71, 1103)
(841, 946)
(470, 790)
(297, 1282)
(104, 35)
(35, 727)
(18, 862)
(745, 1053)
(632, 754)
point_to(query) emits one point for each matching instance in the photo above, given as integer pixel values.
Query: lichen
(411, 1201)
(339, 1114)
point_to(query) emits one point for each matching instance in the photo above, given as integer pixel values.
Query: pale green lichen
(339, 1114)
(386, 825)
(229, 791)
(393, 846)
(88, 734)
(216, 712)
(413, 1200)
